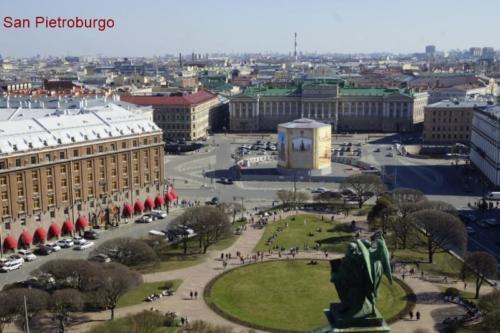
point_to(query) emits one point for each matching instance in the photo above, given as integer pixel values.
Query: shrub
(490, 302)
(128, 251)
(452, 292)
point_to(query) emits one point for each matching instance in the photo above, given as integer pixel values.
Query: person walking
(418, 315)
(196, 294)
(411, 315)
(191, 294)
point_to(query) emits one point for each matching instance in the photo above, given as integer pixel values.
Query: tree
(490, 302)
(231, 209)
(437, 206)
(8, 311)
(482, 264)
(381, 215)
(328, 197)
(210, 223)
(36, 301)
(491, 322)
(79, 274)
(286, 196)
(115, 281)
(127, 251)
(302, 196)
(402, 195)
(442, 230)
(364, 186)
(62, 303)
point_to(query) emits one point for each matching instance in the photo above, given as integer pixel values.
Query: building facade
(345, 108)
(485, 142)
(181, 117)
(449, 122)
(64, 170)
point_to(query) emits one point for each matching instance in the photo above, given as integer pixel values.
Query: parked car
(78, 240)
(65, 243)
(227, 181)
(389, 155)
(27, 255)
(43, 250)
(53, 246)
(159, 214)
(90, 234)
(10, 266)
(101, 257)
(214, 201)
(146, 218)
(83, 246)
(319, 190)
(16, 258)
(491, 222)
(467, 217)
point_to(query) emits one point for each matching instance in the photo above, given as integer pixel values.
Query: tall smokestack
(295, 47)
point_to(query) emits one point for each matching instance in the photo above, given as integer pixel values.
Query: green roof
(371, 92)
(263, 91)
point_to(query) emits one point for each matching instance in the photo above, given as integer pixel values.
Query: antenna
(295, 46)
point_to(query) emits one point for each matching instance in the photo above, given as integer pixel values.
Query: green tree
(382, 213)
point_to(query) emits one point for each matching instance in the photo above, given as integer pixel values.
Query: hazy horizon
(149, 28)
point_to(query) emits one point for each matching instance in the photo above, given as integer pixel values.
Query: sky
(159, 27)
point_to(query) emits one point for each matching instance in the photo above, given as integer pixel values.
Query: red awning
(54, 230)
(158, 201)
(9, 243)
(149, 203)
(169, 197)
(127, 210)
(138, 207)
(25, 238)
(81, 222)
(174, 193)
(40, 235)
(68, 227)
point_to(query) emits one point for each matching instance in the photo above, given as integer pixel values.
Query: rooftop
(467, 103)
(188, 100)
(28, 129)
(303, 123)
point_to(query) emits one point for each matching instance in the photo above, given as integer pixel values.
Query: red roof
(54, 230)
(193, 99)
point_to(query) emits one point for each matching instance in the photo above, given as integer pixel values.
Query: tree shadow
(432, 297)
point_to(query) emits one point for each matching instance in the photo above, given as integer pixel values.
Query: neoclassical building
(329, 101)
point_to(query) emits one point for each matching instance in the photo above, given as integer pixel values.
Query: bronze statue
(357, 277)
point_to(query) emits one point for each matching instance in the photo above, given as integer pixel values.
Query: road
(125, 230)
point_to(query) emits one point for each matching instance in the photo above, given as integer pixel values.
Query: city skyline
(154, 29)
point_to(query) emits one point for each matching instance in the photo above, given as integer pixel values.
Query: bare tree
(127, 251)
(211, 224)
(443, 231)
(437, 206)
(364, 186)
(286, 196)
(36, 301)
(328, 197)
(115, 281)
(482, 265)
(232, 209)
(62, 303)
(8, 311)
(302, 196)
(79, 274)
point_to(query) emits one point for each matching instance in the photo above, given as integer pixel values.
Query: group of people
(193, 294)
(417, 315)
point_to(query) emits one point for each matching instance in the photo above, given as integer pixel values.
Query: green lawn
(303, 231)
(173, 257)
(142, 322)
(137, 295)
(288, 295)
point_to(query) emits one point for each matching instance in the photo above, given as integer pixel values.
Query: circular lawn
(286, 295)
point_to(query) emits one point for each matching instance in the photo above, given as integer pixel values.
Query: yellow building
(305, 145)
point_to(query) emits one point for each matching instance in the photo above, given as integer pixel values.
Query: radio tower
(295, 47)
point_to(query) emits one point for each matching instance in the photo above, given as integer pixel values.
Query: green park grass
(288, 295)
(138, 294)
(303, 231)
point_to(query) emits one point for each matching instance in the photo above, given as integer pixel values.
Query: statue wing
(386, 260)
(366, 258)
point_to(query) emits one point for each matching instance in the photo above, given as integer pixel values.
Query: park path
(195, 278)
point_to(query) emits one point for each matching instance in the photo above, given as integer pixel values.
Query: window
(3, 180)
(2, 165)
(101, 161)
(124, 144)
(145, 141)
(89, 164)
(89, 150)
(76, 166)
(4, 195)
(113, 146)
(78, 194)
(18, 162)
(34, 174)
(33, 159)
(90, 177)
(113, 172)
(19, 177)
(76, 153)
(48, 157)
(90, 191)
(35, 187)
(20, 191)
(65, 196)
(21, 206)
(101, 148)
(134, 143)
(101, 174)
(63, 169)
(5, 212)
(62, 155)
(135, 155)
(36, 203)
(50, 185)
(77, 179)
(64, 182)
(124, 158)
(52, 214)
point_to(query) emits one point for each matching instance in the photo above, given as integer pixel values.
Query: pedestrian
(182, 321)
(222, 256)
(196, 294)
(411, 315)
(191, 294)
(418, 315)
(422, 275)
(465, 285)
(403, 276)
